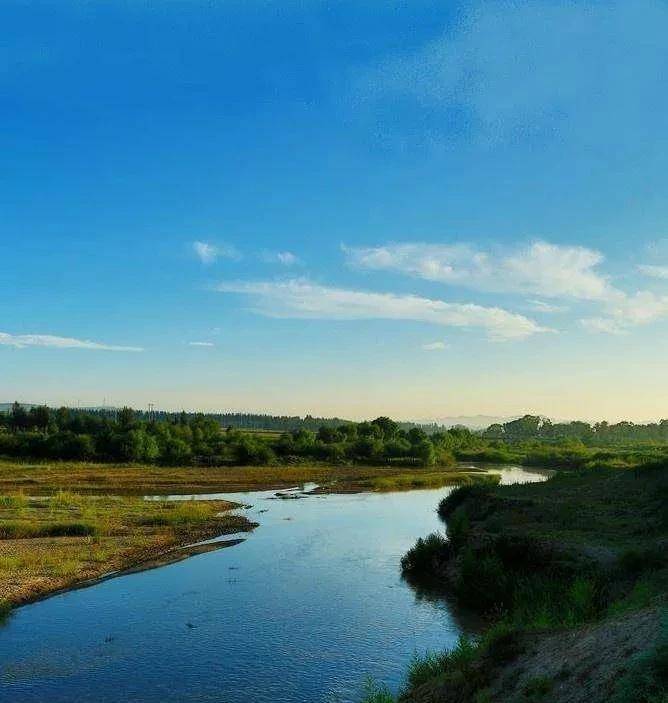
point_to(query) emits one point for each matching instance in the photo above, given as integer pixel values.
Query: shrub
(421, 557)
(457, 497)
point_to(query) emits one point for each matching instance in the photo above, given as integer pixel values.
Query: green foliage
(376, 693)
(457, 661)
(29, 530)
(420, 558)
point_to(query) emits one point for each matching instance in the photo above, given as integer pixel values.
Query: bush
(421, 557)
(457, 497)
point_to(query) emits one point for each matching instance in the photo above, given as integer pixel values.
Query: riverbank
(572, 574)
(64, 523)
(44, 478)
(53, 543)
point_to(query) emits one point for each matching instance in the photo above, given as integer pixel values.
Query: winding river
(302, 611)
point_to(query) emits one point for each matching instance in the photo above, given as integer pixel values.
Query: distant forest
(127, 435)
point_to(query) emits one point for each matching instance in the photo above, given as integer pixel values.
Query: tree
(40, 417)
(387, 427)
(19, 418)
(126, 417)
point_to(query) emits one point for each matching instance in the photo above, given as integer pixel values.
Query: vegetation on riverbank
(62, 523)
(45, 477)
(573, 574)
(54, 542)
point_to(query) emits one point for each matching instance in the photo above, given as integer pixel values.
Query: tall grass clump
(421, 556)
(32, 530)
(16, 502)
(457, 662)
(376, 693)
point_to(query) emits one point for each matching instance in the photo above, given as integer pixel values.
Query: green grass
(31, 530)
(580, 547)
(50, 542)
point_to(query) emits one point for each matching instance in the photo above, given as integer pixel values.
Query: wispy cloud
(541, 268)
(503, 68)
(603, 325)
(285, 258)
(47, 340)
(654, 271)
(640, 308)
(300, 298)
(201, 344)
(208, 253)
(435, 346)
(542, 306)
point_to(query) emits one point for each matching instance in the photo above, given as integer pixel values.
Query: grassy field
(35, 478)
(48, 543)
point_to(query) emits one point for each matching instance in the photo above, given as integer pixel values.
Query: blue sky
(421, 209)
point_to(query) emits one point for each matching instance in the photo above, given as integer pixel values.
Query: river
(302, 611)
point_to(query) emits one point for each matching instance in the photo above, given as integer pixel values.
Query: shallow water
(303, 610)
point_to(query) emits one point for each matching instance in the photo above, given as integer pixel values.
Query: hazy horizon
(347, 210)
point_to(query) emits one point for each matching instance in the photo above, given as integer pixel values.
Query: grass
(52, 542)
(543, 558)
(49, 478)
(415, 480)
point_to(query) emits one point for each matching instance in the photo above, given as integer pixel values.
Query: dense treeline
(127, 435)
(601, 433)
(183, 438)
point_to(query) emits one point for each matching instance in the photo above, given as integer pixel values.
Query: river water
(307, 607)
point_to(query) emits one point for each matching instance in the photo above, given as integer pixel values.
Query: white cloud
(435, 346)
(299, 298)
(542, 306)
(542, 268)
(208, 253)
(654, 271)
(640, 308)
(48, 340)
(201, 344)
(286, 258)
(603, 325)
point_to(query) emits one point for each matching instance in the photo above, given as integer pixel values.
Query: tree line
(195, 438)
(535, 427)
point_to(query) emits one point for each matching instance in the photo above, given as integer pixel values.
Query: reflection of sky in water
(308, 606)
